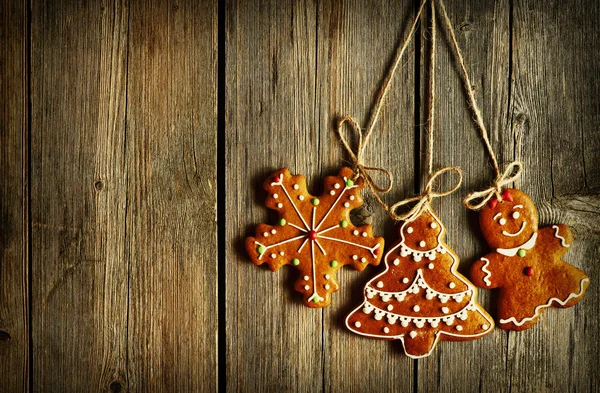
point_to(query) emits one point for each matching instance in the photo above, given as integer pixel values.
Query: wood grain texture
(171, 212)
(14, 242)
(79, 270)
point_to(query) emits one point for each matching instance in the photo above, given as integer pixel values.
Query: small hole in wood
(4, 336)
(98, 185)
(116, 387)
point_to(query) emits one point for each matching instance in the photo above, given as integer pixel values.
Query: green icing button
(315, 201)
(334, 263)
(261, 249)
(349, 183)
(282, 222)
(521, 253)
(296, 261)
(343, 223)
(316, 299)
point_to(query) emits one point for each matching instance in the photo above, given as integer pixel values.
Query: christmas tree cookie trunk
(314, 234)
(526, 262)
(420, 298)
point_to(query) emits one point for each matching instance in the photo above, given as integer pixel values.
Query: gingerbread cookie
(526, 262)
(420, 298)
(314, 234)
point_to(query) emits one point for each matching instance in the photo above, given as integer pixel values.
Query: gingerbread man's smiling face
(422, 233)
(511, 222)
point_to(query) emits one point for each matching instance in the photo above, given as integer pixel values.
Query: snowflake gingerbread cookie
(314, 234)
(526, 262)
(420, 298)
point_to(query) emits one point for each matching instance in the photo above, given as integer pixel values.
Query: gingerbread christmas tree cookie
(314, 234)
(525, 263)
(420, 298)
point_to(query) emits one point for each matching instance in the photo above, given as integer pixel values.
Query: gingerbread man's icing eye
(516, 215)
(433, 225)
(409, 229)
(501, 221)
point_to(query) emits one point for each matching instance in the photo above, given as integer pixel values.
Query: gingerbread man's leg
(419, 344)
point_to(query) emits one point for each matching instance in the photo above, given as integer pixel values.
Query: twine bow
(360, 169)
(426, 197)
(478, 199)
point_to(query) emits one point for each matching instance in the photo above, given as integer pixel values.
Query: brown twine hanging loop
(478, 199)
(426, 197)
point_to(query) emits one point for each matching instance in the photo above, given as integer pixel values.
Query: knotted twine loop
(478, 199)
(424, 200)
(513, 170)
(360, 169)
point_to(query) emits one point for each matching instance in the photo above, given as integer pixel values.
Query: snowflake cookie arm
(274, 245)
(485, 272)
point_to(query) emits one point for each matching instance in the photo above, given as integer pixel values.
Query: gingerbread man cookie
(314, 234)
(526, 262)
(420, 298)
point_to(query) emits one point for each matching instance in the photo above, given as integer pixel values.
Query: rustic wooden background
(134, 136)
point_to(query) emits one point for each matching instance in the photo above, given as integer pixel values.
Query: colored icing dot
(422, 243)
(357, 324)
(295, 261)
(305, 278)
(301, 197)
(280, 205)
(315, 201)
(409, 229)
(363, 259)
(275, 196)
(433, 225)
(459, 328)
(416, 308)
(349, 183)
(346, 204)
(355, 257)
(386, 330)
(306, 287)
(327, 276)
(528, 271)
(355, 232)
(502, 221)
(334, 263)
(278, 178)
(376, 251)
(282, 222)
(316, 299)
(261, 249)
(312, 235)
(364, 234)
(326, 286)
(331, 192)
(336, 186)
(405, 280)
(521, 253)
(343, 223)
(445, 310)
(430, 266)
(390, 307)
(516, 215)
(380, 284)
(396, 261)
(451, 285)
(296, 186)
(273, 231)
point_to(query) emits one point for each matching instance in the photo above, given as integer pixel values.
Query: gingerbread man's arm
(560, 235)
(485, 272)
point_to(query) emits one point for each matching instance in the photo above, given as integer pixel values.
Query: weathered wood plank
(14, 302)
(79, 269)
(274, 343)
(555, 132)
(171, 200)
(356, 44)
(483, 32)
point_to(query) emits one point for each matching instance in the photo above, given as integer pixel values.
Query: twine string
(513, 170)
(360, 169)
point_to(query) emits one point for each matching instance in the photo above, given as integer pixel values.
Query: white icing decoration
(346, 204)
(405, 280)
(422, 243)
(357, 324)
(280, 205)
(306, 278)
(502, 222)
(281, 253)
(433, 225)
(296, 186)
(390, 307)
(364, 234)
(273, 255)
(516, 215)
(523, 225)
(416, 308)
(396, 261)
(326, 286)
(430, 266)
(327, 276)
(265, 234)
(275, 196)
(511, 252)
(273, 231)
(459, 328)
(417, 258)
(488, 274)
(306, 287)
(543, 306)
(445, 310)
(380, 284)
(496, 216)
(517, 206)
(363, 259)
(409, 230)
(563, 241)
(413, 334)
(336, 186)
(355, 257)
(484, 326)
(331, 192)
(451, 285)
(355, 232)
(386, 330)
(351, 197)
(301, 197)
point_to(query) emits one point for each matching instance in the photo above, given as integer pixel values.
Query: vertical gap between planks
(26, 135)
(417, 146)
(511, 19)
(221, 193)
